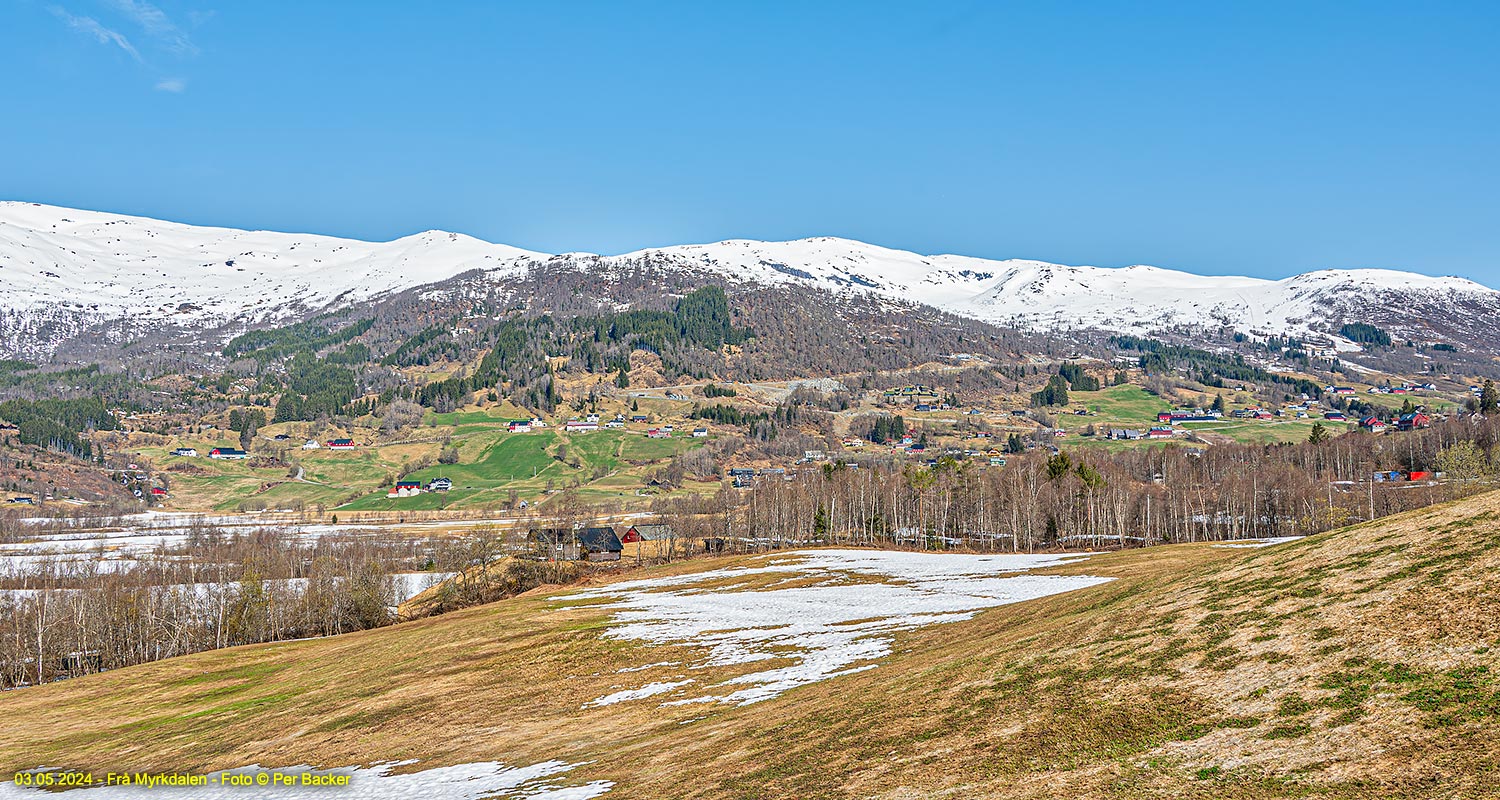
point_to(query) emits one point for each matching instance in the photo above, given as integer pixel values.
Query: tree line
(1142, 496)
(65, 618)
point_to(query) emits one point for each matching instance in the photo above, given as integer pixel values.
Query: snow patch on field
(1248, 543)
(482, 780)
(636, 694)
(837, 623)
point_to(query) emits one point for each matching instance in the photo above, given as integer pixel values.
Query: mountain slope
(1351, 664)
(66, 269)
(67, 272)
(1138, 299)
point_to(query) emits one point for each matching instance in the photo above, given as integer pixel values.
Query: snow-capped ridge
(65, 269)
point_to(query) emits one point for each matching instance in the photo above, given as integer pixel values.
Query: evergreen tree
(1318, 434)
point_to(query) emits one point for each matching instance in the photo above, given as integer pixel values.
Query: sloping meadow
(1355, 663)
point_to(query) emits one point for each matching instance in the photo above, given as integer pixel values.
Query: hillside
(1355, 663)
(71, 271)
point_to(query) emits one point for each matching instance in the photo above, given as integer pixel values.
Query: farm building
(1413, 421)
(405, 489)
(340, 444)
(1185, 415)
(646, 533)
(188, 452)
(228, 454)
(599, 544)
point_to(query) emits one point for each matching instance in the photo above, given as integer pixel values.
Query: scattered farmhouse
(1413, 421)
(228, 454)
(405, 489)
(1187, 415)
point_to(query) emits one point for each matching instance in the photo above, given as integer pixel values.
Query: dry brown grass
(1356, 663)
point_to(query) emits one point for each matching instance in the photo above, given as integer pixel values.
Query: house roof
(599, 540)
(653, 533)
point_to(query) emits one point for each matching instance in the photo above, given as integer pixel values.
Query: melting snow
(833, 622)
(636, 694)
(1260, 542)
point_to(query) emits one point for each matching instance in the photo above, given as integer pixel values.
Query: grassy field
(1125, 406)
(1354, 664)
(1269, 431)
(1130, 406)
(493, 463)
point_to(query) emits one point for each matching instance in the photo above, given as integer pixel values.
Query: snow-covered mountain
(1137, 299)
(67, 270)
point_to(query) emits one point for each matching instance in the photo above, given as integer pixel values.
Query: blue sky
(1263, 138)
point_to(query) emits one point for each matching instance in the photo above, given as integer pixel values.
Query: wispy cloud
(159, 36)
(157, 25)
(92, 27)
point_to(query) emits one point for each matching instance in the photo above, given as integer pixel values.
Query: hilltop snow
(66, 269)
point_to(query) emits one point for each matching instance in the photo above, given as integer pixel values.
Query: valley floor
(1357, 663)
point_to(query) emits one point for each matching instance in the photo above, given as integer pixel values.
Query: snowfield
(839, 613)
(68, 269)
(480, 781)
